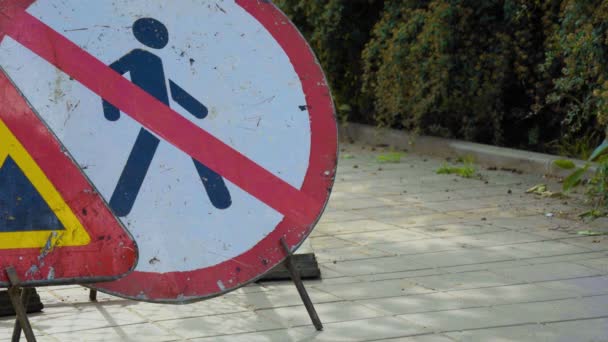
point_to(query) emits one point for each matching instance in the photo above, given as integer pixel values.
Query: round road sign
(207, 126)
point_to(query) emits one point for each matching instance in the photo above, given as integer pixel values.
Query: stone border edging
(485, 155)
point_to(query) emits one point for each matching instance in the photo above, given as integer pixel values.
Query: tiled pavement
(406, 255)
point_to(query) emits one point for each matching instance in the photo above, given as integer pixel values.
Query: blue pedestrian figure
(146, 71)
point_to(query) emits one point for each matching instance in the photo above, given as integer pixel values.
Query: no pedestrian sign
(207, 126)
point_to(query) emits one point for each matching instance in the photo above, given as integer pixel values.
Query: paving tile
(550, 233)
(363, 330)
(418, 246)
(161, 312)
(369, 185)
(601, 223)
(278, 296)
(329, 242)
(497, 238)
(487, 266)
(478, 203)
(409, 304)
(235, 323)
(48, 297)
(384, 236)
(579, 330)
(7, 324)
(282, 335)
(419, 221)
(510, 294)
(466, 280)
(359, 330)
(63, 287)
(544, 272)
(461, 319)
(361, 203)
(305, 247)
(594, 243)
(338, 195)
(376, 265)
(41, 338)
(339, 216)
(349, 253)
(600, 264)
(353, 227)
(521, 333)
(463, 256)
(399, 275)
(486, 191)
(377, 289)
(328, 273)
(457, 229)
(136, 332)
(487, 214)
(516, 253)
(550, 248)
(573, 257)
(587, 286)
(393, 211)
(421, 338)
(253, 287)
(557, 310)
(78, 294)
(434, 196)
(293, 316)
(84, 318)
(331, 281)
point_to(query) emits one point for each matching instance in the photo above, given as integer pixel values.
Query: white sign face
(213, 63)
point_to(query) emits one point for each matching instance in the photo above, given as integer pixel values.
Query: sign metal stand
(93, 295)
(295, 277)
(19, 297)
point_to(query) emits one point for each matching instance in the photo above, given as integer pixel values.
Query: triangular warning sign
(30, 206)
(55, 228)
(22, 206)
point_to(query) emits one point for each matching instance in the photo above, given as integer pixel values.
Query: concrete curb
(485, 155)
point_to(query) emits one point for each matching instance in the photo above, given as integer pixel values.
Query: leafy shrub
(337, 31)
(579, 45)
(521, 73)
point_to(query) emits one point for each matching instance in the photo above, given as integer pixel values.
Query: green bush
(337, 31)
(522, 73)
(432, 69)
(579, 44)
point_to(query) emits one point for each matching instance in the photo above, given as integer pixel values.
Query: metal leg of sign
(19, 297)
(26, 294)
(295, 277)
(93, 295)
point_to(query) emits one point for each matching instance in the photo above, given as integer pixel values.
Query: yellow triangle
(73, 233)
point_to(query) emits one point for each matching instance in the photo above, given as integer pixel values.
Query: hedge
(523, 73)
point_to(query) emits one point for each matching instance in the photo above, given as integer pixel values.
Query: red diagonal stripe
(9, 9)
(156, 116)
